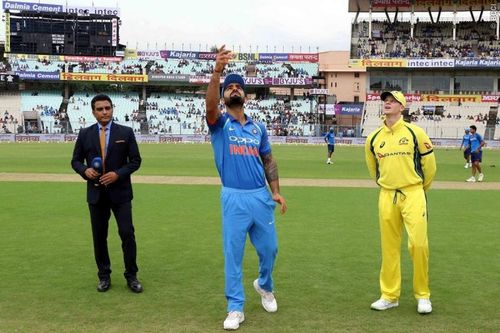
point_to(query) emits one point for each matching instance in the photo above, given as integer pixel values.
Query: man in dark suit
(109, 187)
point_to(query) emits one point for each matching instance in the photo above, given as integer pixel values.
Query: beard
(234, 100)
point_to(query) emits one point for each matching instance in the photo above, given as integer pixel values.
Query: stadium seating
(10, 113)
(450, 125)
(430, 40)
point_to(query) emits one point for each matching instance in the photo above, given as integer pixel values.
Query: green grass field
(328, 263)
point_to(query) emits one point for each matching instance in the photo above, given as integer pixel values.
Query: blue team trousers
(252, 212)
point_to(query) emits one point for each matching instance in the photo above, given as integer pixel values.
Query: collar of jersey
(249, 119)
(395, 127)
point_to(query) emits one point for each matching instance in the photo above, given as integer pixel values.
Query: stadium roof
(363, 6)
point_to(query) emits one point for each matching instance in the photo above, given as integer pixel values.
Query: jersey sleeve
(371, 161)
(219, 123)
(265, 146)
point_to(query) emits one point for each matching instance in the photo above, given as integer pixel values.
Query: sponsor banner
(292, 81)
(147, 138)
(131, 54)
(273, 57)
(242, 56)
(277, 139)
(7, 137)
(114, 32)
(32, 7)
(482, 63)
(86, 11)
(179, 54)
(40, 76)
(149, 55)
(48, 57)
(431, 63)
(303, 57)
(379, 63)
(70, 137)
(52, 138)
(168, 77)
(7, 32)
(27, 138)
(197, 138)
(199, 79)
(90, 59)
(255, 81)
(207, 55)
(297, 139)
(349, 109)
(171, 138)
(391, 3)
(245, 56)
(52, 8)
(318, 91)
(319, 140)
(409, 97)
(451, 3)
(127, 78)
(491, 144)
(451, 98)
(490, 98)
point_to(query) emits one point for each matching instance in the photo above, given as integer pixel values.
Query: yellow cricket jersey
(400, 156)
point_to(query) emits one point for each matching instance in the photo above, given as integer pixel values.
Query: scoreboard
(69, 31)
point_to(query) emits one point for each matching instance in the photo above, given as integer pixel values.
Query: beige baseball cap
(398, 96)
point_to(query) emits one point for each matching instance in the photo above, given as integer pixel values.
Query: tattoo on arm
(270, 167)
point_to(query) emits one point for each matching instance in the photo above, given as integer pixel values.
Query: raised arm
(213, 90)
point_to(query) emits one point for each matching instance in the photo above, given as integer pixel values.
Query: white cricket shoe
(471, 179)
(383, 304)
(424, 306)
(466, 165)
(480, 177)
(268, 301)
(233, 320)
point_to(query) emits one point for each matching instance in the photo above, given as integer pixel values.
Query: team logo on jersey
(403, 141)
(382, 144)
(427, 145)
(254, 131)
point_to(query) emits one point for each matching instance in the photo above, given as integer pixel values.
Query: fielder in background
(466, 148)
(400, 158)
(476, 154)
(330, 140)
(243, 158)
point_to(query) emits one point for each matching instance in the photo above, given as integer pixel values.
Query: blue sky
(244, 25)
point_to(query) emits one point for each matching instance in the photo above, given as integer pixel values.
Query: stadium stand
(10, 116)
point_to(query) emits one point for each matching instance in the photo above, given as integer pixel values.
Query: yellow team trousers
(408, 208)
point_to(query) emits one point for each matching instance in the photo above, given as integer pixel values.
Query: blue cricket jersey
(237, 149)
(330, 138)
(466, 140)
(475, 141)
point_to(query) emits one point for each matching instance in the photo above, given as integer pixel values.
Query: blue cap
(233, 78)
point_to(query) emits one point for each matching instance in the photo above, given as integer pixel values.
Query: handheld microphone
(97, 166)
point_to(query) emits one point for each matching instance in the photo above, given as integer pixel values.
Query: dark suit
(123, 158)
